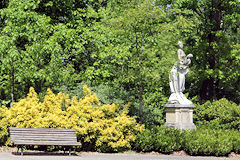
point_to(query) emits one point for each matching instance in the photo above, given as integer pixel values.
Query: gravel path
(101, 156)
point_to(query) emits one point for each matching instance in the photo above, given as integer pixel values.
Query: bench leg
(69, 151)
(21, 150)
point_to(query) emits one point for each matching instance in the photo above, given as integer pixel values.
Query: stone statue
(177, 77)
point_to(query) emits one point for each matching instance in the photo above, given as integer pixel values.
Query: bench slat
(42, 129)
(43, 136)
(35, 132)
(45, 139)
(47, 143)
(37, 135)
(43, 132)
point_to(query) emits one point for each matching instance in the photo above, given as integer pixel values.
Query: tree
(31, 50)
(135, 44)
(213, 41)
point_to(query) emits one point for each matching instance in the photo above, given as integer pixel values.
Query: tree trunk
(141, 84)
(208, 87)
(141, 103)
(12, 85)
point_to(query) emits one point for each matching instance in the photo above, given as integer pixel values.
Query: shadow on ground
(43, 154)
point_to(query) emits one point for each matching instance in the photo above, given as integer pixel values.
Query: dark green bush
(154, 100)
(145, 141)
(159, 139)
(167, 139)
(203, 141)
(107, 94)
(208, 142)
(236, 141)
(219, 114)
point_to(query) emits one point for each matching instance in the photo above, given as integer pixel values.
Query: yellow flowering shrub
(103, 127)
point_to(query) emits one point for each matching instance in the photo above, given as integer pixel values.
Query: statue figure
(177, 77)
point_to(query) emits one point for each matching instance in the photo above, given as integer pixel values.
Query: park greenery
(123, 50)
(99, 126)
(203, 141)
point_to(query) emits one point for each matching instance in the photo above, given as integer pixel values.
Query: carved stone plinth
(179, 116)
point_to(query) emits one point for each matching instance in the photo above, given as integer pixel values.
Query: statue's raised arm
(177, 77)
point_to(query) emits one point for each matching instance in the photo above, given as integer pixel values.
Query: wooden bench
(43, 137)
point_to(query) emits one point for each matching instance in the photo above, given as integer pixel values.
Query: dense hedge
(203, 141)
(217, 134)
(99, 127)
(159, 139)
(218, 114)
(208, 142)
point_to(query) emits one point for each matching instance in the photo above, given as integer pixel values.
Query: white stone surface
(179, 116)
(177, 77)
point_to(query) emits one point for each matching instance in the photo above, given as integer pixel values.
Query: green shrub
(208, 142)
(159, 139)
(167, 139)
(219, 114)
(145, 141)
(153, 111)
(107, 94)
(203, 141)
(236, 141)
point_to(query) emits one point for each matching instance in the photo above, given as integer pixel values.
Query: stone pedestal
(179, 116)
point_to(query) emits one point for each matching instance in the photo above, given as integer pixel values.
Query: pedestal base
(179, 116)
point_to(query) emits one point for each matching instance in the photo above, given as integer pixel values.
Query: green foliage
(218, 114)
(208, 142)
(236, 141)
(101, 127)
(153, 115)
(107, 94)
(132, 41)
(212, 40)
(153, 112)
(159, 139)
(145, 141)
(30, 50)
(203, 141)
(125, 48)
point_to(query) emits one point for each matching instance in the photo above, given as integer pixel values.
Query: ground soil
(176, 153)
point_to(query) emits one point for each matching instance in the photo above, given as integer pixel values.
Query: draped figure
(177, 77)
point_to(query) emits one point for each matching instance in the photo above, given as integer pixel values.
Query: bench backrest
(42, 134)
